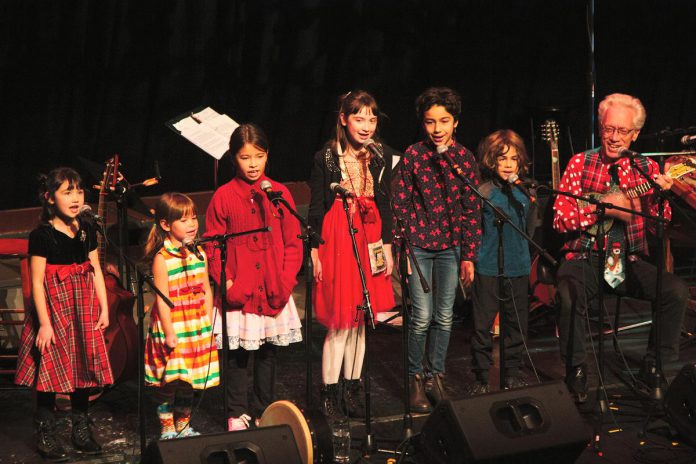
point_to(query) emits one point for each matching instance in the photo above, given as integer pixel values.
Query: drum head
(285, 412)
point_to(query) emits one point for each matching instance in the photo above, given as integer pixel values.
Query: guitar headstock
(110, 176)
(549, 131)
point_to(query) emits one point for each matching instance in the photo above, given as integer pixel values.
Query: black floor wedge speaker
(538, 424)
(680, 403)
(265, 445)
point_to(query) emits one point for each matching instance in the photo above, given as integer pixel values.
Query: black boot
(330, 401)
(354, 398)
(47, 443)
(576, 380)
(82, 438)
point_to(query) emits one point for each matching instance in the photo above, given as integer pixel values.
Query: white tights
(343, 347)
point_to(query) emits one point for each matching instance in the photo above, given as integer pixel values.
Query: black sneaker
(648, 375)
(477, 388)
(515, 381)
(576, 380)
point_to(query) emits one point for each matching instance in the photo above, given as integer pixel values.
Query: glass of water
(340, 430)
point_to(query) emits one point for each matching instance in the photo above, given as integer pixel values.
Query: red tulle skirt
(337, 296)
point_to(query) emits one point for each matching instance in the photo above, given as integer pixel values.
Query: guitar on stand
(121, 336)
(542, 287)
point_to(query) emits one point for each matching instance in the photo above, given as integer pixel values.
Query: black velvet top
(58, 248)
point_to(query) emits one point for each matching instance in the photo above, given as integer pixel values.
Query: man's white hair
(627, 101)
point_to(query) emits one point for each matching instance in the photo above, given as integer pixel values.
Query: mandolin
(675, 172)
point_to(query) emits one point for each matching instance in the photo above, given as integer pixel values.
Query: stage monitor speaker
(264, 445)
(680, 403)
(538, 424)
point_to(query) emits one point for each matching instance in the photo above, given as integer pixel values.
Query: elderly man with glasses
(606, 172)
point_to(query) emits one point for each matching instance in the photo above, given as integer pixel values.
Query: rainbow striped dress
(194, 360)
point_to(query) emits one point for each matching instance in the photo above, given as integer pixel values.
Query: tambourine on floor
(311, 430)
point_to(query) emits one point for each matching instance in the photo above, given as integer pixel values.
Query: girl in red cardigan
(261, 273)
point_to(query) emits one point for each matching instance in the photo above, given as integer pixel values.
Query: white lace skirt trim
(250, 331)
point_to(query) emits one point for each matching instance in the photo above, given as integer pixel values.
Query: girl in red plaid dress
(62, 348)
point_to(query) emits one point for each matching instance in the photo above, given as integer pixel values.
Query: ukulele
(674, 172)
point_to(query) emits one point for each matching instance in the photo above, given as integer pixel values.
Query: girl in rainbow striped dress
(180, 355)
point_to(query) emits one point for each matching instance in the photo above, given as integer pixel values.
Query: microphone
(442, 151)
(688, 139)
(87, 213)
(272, 195)
(375, 150)
(192, 246)
(515, 180)
(336, 188)
(628, 153)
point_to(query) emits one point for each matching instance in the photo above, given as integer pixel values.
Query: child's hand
(171, 341)
(390, 264)
(466, 272)
(316, 264)
(103, 321)
(45, 337)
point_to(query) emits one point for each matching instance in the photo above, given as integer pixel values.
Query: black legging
(263, 392)
(46, 402)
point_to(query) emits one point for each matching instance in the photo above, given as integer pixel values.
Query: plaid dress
(79, 358)
(194, 360)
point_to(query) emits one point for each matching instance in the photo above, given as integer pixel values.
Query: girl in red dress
(62, 348)
(346, 160)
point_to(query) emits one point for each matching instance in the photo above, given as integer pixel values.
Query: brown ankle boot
(417, 400)
(435, 388)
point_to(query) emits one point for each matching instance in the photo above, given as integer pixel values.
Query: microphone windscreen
(513, 178)
(265, 185)
(441, 149)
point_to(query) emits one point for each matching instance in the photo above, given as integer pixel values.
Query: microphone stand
(120, 195)
(220, 241)
(307, 239)
(142, 278)
(406, 309)
(657, 393)
(602, 401)
(366, 307)
(500, 221)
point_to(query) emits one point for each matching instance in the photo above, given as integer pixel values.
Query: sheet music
(208, 140)
(208, 130)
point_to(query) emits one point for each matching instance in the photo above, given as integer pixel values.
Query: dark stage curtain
(94, 78)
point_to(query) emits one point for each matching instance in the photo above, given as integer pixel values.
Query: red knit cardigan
(262, 266)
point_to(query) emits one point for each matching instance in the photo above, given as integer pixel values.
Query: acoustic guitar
(541, 279)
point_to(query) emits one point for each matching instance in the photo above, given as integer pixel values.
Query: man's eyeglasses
(622, 131)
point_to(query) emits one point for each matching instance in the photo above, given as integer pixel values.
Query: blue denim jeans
(432, 312)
